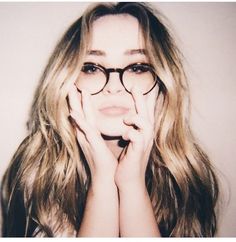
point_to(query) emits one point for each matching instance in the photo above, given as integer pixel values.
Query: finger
(75, 101)
(93, 137)
(135, 138)
(85, 147)
(87, 107)
(83, 142)
(81, 124)
(136, 121)
(141, 124)
(152, 105)
(90, 141)
(79, 127)
(140, 102)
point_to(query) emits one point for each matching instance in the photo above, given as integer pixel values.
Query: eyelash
(123, 66)
(93, 69)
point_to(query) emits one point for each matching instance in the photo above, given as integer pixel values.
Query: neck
(115, 144)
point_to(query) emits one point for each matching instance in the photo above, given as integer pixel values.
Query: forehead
(117, 33)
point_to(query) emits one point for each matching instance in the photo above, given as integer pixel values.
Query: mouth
(114, 111)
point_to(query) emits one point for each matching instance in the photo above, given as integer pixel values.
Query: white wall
(207, 35)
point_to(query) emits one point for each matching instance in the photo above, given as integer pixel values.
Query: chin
(112, 126)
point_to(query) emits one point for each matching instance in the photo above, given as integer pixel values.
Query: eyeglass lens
(94, 78)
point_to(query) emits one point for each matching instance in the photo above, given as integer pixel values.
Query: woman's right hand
(101, 161)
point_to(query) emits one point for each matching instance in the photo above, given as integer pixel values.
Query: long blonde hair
(45, 186)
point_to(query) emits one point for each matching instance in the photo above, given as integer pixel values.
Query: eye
(138, 68)
(90, 69)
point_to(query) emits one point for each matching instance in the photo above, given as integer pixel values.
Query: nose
(114, 84)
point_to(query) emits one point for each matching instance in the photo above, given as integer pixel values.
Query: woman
(110, 151)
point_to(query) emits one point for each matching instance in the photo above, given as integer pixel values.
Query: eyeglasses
(94, 77)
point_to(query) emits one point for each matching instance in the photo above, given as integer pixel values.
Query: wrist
(101, 176)
(133, 187)
(102, 183)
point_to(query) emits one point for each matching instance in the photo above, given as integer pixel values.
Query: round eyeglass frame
(121, 71)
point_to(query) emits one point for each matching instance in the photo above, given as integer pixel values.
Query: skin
(118, 173)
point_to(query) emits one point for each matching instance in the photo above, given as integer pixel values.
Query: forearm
(137, 218)
(101, 212)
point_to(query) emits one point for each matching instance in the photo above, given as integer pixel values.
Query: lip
(114, 110)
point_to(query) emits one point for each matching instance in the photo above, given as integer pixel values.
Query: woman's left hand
(133, 161)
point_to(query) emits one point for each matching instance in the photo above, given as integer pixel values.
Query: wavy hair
(45, 186)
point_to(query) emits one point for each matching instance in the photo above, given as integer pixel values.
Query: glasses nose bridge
(111, 70)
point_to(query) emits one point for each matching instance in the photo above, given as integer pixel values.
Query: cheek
(95, 103)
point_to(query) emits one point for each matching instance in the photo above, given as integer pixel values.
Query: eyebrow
(96, 52)
(136, 51)
(127, 52)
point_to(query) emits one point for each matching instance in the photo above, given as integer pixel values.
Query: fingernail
(72, 114)
(136, 90)
(125, 120)
(124, 137)
(133, 89)
(75, 87)
(84, 92)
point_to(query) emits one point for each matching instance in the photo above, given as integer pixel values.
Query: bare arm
(101, 212)
(136, 214)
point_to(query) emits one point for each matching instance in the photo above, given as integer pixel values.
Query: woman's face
(117, 42)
